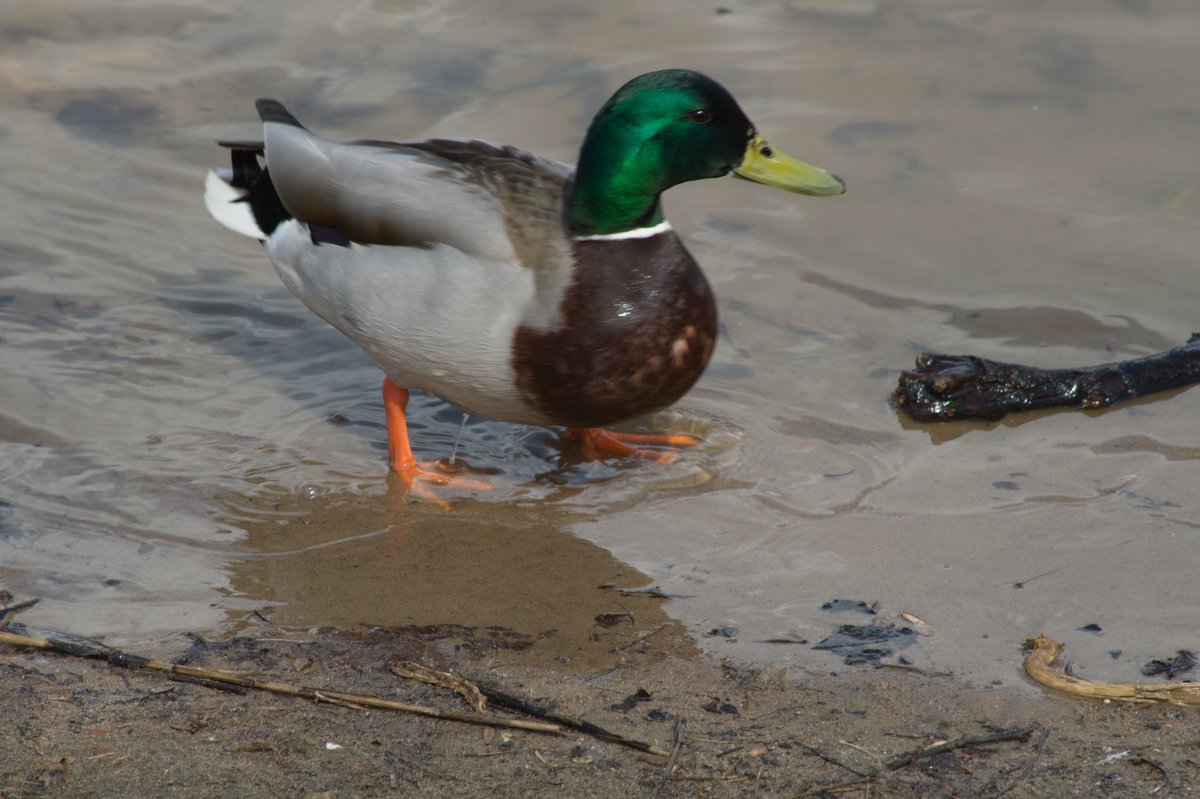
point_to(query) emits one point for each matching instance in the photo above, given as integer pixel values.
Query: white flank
(221, 200)
(636, 233)
(436, 319)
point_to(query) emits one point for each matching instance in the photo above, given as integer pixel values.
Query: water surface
(185, 445)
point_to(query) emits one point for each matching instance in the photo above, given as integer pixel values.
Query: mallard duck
(509, 284)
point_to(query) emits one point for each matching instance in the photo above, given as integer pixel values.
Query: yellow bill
(764, 164)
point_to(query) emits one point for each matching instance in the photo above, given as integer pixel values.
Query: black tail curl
(252, 177)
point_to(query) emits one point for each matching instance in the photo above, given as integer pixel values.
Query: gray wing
(492, 201)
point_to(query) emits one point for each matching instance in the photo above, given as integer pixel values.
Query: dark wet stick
(1013, 734)
(955, 387)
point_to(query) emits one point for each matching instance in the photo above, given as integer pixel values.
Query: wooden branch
(955, 387)
(1043, 653)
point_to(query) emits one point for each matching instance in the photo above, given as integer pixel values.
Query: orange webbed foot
(430, 480)
(598, 444)
(434, 480)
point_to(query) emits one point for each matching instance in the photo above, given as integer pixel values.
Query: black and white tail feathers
(242, 198)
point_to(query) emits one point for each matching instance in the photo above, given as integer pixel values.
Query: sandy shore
(83, 728)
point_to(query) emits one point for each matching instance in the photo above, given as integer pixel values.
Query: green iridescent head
(665, 128)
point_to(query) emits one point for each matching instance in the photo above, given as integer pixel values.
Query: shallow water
(185, 445)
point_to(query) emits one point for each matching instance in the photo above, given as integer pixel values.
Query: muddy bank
(87, 729)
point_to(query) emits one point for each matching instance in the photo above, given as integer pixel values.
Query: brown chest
(639, 326)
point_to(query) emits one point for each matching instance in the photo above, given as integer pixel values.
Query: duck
(509, 284)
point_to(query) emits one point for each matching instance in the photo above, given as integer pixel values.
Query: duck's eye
(701, 116)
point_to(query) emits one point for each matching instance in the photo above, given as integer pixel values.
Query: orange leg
(599, 444)
(419, 478)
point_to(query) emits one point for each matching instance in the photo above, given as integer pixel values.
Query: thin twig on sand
(75, 646)
(1014, 734)
(1025, 772)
